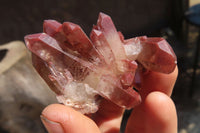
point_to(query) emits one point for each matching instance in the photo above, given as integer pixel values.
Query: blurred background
(23, 94)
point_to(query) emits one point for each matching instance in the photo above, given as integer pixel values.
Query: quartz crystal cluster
(82, 71)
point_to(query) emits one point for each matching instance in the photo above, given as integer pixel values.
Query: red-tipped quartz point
(77, 38)
(51, 27)
(81, 43)
(40, 43)
(107, 27)
(54, 29)
(157, 55)
(127, 78)
(101, 44)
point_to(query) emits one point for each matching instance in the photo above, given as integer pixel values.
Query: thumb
(62, 119)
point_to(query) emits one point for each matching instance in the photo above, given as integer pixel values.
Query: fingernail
(51, 126)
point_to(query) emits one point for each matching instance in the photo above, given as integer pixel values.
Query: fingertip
(51, 109)
(159, 103)
(161, 111)
(68, 118)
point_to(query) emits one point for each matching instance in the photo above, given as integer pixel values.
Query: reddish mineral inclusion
(82, 70)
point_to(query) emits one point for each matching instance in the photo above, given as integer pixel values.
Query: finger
(154, 81)
(108, 117)
(157, 114)
(62, 119)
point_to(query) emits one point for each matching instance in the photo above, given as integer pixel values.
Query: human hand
(156, 113)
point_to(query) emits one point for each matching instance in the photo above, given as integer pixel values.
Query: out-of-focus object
(23, 94)
(192, 16)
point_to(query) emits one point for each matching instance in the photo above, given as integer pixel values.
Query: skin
(156, 113)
